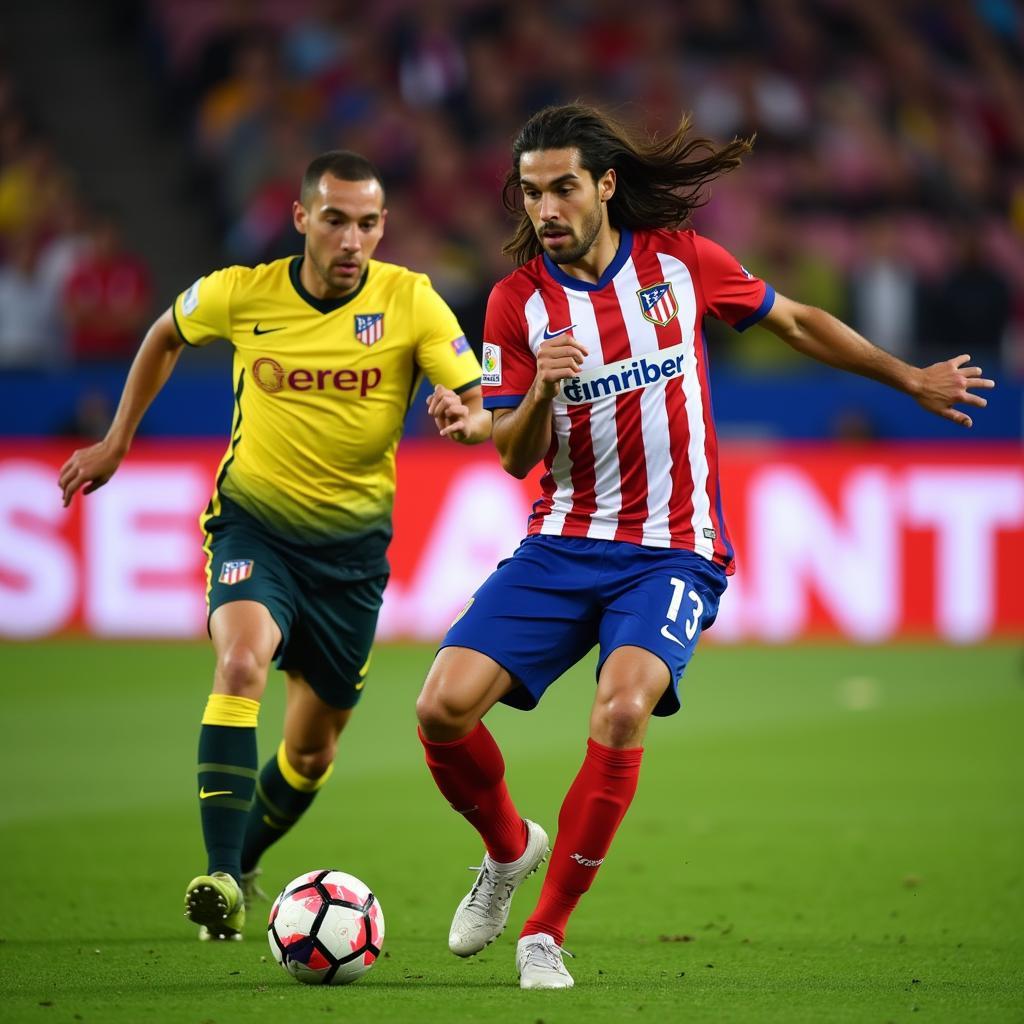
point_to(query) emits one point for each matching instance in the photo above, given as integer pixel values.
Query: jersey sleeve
(202, 313)
(508, 364)
(731, 292)
(441, 350)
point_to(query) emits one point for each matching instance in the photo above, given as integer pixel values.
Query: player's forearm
(819, 335)
(149, 371)
(524, 435)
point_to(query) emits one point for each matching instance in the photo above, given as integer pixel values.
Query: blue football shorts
(547, 606)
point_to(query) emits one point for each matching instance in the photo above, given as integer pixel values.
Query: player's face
(563, 201)
(343, 224)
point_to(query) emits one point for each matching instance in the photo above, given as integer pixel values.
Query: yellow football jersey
(321, 389)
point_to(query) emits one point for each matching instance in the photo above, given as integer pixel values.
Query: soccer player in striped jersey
(595, 363)
(329, 350)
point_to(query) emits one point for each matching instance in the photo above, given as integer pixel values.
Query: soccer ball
(326, 928)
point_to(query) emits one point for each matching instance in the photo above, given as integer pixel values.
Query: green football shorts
(325, 598)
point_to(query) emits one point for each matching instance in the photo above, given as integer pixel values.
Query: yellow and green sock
(226, 777)
(282, 797)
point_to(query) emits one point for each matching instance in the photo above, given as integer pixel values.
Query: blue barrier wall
(814, 404)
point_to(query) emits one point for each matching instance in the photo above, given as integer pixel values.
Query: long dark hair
(659, 181)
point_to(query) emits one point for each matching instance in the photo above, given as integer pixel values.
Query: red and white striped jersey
(634, 454)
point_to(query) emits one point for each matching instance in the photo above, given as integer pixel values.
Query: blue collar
(623, 253)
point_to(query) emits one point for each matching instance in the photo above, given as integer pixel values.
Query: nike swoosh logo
(548, 335)
(668, 636)
(266, 330)
(203, 795)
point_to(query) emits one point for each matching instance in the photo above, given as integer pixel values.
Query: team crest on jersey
(235, 571)
(369, 328)
(658, 303)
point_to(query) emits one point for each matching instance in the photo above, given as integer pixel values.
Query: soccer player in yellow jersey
(329, 349)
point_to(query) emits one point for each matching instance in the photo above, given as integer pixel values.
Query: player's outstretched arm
(462, 417)
(89, 468)
(522, 435)
(937, 388)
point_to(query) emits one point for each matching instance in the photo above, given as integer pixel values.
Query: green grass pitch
(823, 834)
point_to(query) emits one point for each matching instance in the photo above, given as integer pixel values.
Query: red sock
(594, 807)
(470, 773)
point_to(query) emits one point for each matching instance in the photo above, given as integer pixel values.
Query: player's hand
(88, 468)
(941, 386)
(557, 360)
(450, 413)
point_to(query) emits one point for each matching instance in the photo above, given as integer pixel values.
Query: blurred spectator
(31, 334)
(237, 117)
(29, 180)
(67, 241)
(107, 298)
(431, 64)
(968, 309)
(883, 292)
(795, 268)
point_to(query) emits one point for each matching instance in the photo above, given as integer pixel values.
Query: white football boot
(481, 916)
(539, 963)
(251, 888)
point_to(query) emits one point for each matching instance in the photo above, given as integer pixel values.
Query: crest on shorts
(369, 328)
(658, 303)
(235, 571)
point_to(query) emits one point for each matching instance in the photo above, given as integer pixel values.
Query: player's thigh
(536, 615)
(249, 590)
(662, 604)
(248, 623)
(331, 643)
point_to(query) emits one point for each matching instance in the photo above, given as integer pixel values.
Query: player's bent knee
(620, 721)
(241, 673)
(441, 718)
(312, 764)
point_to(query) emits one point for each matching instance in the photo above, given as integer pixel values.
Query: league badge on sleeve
(369, 328)
(491, 361)
(658, 303)
(191, 299)
(235, 571)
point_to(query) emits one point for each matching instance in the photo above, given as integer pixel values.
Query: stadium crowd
(886, 185)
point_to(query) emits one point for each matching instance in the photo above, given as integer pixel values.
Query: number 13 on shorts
(691, 620)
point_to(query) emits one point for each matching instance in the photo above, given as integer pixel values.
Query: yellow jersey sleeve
(202, 313)
(442, 351)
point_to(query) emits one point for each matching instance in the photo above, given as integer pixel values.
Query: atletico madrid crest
(235, 571)
(369, 328)
(658, 303)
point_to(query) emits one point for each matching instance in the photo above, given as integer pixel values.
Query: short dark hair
(659, 181)
(339, 163)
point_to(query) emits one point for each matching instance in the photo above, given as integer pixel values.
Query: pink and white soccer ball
(326, 928)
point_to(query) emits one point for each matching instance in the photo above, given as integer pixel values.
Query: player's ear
(383, 217)
(300, 217)
(606, 185)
